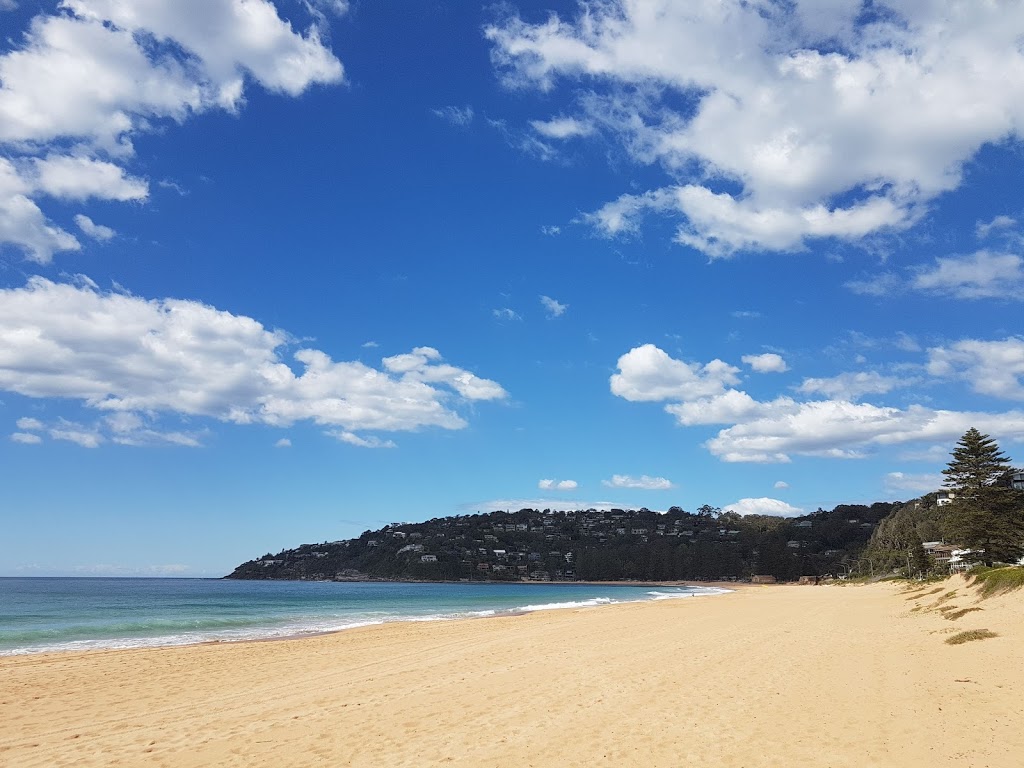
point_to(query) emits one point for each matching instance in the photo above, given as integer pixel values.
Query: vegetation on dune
(992, 581)
(969, 635)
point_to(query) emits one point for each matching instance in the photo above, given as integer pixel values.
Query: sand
(764, 676)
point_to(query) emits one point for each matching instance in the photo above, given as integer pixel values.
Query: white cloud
(455, 115)
(763, 506)
(743, 314)
(92, 229)
(504, 313)
(370, 441)
(553, 307)
(175, 356)
(932, 454)
(884, 284)
(992, 367)
(284, 442)
(644, 483)
(648, 373)
(924, 483)
(29, 424)
(982, 275)
(97, 72)
(775, 430)
(769, 362)
(792, 107)
(852, 386)
(562, 128)
(75, 433)
(81, 178)
(550, 230)
(780, 485)
(985, 228)
(26, 438)
(558, 485)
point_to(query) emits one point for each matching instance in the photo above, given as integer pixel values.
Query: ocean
(75, 614)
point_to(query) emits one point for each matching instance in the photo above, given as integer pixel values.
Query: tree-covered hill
(588, 545)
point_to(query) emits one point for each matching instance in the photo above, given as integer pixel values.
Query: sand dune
(765, 676)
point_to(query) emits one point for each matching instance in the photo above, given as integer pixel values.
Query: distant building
(942, 498)
(1017, 481)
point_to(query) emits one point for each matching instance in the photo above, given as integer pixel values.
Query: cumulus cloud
(26, 438)
(553, 307)
(772, 431)
(991, 367)
(763, 506)
(182, 357)
(780, 485)
(558, 485)
(780, 122)
(27, 423)
(769, 362)
(643, 483)
(97, 72)
(504, 313)
(92, 229)
(649, 373)
(896, 482)
(284, 442)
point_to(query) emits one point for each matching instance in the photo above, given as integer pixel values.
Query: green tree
(985, 514)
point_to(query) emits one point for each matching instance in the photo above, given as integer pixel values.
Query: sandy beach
(764, 676)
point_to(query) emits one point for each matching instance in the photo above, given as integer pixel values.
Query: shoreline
(118, 644)
(772, 676)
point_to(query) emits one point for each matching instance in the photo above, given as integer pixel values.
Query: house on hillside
(1017, 481)
(942, 498)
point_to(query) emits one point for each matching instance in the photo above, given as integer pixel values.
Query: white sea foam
(574, 604)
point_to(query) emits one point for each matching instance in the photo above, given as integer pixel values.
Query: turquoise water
(39, 615)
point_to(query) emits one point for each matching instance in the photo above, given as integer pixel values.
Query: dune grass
(992, 581)
(952, 614)
(969, 635)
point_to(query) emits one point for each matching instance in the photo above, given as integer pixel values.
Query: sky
(274, 273)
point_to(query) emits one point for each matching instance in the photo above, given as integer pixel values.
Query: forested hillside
(592, 544)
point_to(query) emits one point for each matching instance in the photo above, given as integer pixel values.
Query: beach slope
(764, 676)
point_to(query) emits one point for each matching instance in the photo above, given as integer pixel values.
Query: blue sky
(274, 273)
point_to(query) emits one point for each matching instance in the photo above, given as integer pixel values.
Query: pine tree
(984, 516)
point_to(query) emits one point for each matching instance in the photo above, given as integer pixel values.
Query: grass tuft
(969, 635)
(992, 581)
(954, 615)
